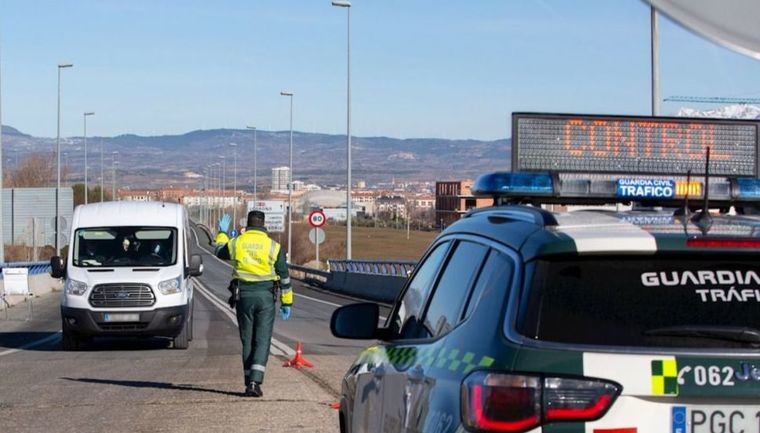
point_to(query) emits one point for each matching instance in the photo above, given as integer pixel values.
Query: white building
(280, 178)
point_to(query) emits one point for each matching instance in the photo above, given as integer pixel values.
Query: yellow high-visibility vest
(221, 239)
(254, 255)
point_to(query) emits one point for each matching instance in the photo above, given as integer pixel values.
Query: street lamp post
(290, 180)
(234, 184)
(114, 163)
(255, 164)
(349, 204)
(84, 136)
(58, 162)
(101, 171)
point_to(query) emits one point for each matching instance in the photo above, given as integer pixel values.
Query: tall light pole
(655, 40)
(290, 180)
(349, 204)
(101, 171)
(234, 184)
(58, 161)
(255, 163)
(2, 239)
(114, 163)
(84, 136)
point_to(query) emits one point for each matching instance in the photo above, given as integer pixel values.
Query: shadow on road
(39, 341)
(154, 385)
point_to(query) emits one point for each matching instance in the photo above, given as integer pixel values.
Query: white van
(128, 273)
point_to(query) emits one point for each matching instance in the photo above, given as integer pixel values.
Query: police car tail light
(493, 402)
(722, 243)
(577, 399)
(501, 403)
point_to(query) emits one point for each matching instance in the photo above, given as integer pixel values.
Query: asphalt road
(132, 385)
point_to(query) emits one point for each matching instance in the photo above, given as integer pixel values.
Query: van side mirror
(356, 321)
(57, 267)
(196, 266)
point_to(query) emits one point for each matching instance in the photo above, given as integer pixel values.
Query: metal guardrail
(35, 268)
(373, 267)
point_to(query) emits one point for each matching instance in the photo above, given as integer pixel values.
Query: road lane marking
(278, 347)
(33, 344)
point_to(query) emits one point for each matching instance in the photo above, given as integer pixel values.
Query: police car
(640, 316)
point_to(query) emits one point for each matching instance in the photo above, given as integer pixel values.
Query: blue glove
(285, 312)
(224, 223)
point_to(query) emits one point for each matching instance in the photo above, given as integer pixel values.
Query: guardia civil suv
(539, 315)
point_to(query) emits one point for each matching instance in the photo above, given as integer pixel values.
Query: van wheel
(70, 341)
(181, 341)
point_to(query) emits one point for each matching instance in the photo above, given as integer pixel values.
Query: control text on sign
(612, 144)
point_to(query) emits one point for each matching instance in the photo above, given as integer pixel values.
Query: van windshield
(661, 301)
(125, 246)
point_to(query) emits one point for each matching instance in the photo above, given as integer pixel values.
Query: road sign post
(317, 219)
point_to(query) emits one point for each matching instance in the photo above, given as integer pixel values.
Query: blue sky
(421, 68)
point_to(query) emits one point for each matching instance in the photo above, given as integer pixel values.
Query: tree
(36, 170)
(93, 195)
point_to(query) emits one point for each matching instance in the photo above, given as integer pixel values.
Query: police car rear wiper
(730, 333)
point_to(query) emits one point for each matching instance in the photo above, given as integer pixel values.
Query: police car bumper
(162, 322)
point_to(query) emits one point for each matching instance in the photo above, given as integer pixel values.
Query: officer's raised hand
(285, 311)
(224, 223)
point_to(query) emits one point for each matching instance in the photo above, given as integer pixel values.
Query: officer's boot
(254, 390)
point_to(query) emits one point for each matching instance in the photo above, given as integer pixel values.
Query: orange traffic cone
(298, 361)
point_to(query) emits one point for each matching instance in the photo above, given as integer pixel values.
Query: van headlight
(169, 287)
(74, 287)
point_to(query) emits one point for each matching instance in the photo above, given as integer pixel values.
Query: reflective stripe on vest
(254, 254)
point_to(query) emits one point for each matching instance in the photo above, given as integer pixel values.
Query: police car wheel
(181, 341)
(70, 341)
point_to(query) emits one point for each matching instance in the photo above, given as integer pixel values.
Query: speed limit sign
(317, 218)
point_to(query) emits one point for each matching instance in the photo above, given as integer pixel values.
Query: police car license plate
(121, 317)
(716, 419)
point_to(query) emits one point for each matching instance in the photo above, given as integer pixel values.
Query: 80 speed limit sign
(317, 218)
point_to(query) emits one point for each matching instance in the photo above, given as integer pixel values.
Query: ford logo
(122, 295)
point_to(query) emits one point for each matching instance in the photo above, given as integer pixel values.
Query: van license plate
(121, 317)
(716, 419)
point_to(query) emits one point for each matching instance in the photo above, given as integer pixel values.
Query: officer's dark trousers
(255, 315)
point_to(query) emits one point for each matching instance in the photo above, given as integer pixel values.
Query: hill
(151, 161)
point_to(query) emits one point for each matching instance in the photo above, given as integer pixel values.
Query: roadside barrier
(380, 281)
(35, 268)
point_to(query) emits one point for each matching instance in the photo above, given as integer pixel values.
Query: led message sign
(629, 144)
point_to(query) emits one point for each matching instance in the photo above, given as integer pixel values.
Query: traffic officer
(259, 264)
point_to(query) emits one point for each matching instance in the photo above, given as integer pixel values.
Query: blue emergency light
(514, 184)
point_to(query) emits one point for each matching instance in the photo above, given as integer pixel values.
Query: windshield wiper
(730, 333)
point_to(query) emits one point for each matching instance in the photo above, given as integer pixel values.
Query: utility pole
(655, 40)
(255, 164)
(114, 163)
(58, 163)
(347, 5)
(101, 171)
(290, 180)
(234, 185)
(84, 136)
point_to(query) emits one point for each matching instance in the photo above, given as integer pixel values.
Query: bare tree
(36, 170)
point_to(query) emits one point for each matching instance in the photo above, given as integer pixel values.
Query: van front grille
(122, 296)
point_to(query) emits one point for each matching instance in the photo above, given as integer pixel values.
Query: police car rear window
(659, 301)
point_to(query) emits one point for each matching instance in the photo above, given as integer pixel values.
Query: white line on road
(33, 344)
(278, 347)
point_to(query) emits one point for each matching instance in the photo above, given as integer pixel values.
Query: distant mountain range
(736, 111)
(179, 160)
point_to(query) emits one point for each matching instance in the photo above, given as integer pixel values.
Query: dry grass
(368, 243)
